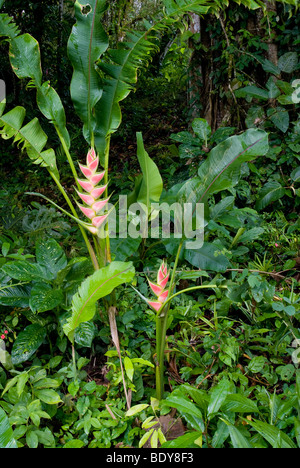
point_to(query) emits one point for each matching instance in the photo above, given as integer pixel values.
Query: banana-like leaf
(151, 184)
(6, 433)
(25, 60)
(87, 42)
(96, 286)
(31, 137)
(221, 169)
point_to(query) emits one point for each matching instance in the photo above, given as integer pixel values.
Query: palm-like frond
(120, 72)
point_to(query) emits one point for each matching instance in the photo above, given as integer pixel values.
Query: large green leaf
(87, 42)
(270, 192)
(24, 55)
(218, 395)
(24, 271)
(27, 343)
(50, 255)
(15, 296)
(237, 438)
(221, 169)
(31, 137)
(96, 286)
(43, 297)
(151, 185)
(7, 27)
(275, 437)
(6, 433)
(207, 258)
(26, 62)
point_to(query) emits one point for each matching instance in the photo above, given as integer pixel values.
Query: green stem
(69, 157)
(161, 332)
(106, 165)
(82, 230)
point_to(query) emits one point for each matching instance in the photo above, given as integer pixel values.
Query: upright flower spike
(159, 288)
(93, 191)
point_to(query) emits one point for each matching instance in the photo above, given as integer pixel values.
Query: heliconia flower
(155, 305)
(93, 192)
(159, 288)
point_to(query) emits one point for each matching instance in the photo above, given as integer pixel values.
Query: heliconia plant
(98, 86)
(93, 192)
(159, 288)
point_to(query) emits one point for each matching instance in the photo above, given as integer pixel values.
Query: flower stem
(161, 332)
(82, 230)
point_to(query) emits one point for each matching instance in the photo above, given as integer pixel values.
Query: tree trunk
(195, 69)
(272, 52)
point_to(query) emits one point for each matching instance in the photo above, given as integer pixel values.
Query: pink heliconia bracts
(94, 192)
(159, 288)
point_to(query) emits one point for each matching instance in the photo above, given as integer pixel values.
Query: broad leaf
(50, 255)
(288, 62)
(26, 62)
(185, 441)
(237, 403)
(31, 137)
(183, 405)
(24, 55)
(221, 169)
(85, 334)
(15, 296)
(151, 185)
(202, 129)
(237, 438)
(207, 258)
(43, 297)
(96, 286)
(295, 175)
(271, 192)
(7, 27)
(275, 437)
(87, 42)
(6, 433)
(280, 118)
(218, 396)
(27, 343)
(25, 271)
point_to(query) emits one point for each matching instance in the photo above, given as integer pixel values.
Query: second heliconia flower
(159, 288)
(93, 191)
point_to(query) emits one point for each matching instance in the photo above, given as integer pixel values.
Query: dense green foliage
(85, 361)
